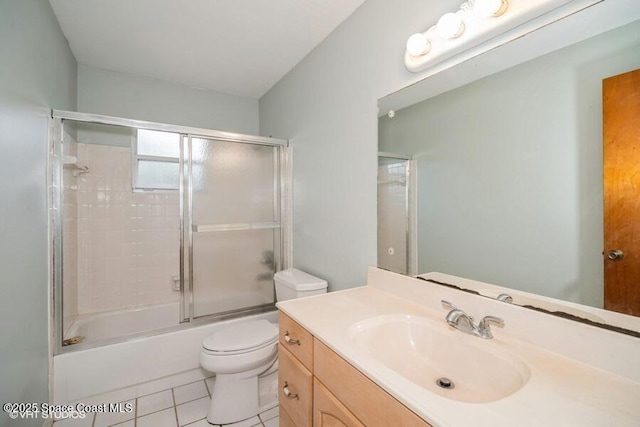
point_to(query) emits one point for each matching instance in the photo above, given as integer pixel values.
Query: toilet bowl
(244, 354)
(238, 355)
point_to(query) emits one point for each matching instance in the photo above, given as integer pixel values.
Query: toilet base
(237, 397)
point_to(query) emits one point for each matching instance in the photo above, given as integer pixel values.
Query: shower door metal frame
(54, 174)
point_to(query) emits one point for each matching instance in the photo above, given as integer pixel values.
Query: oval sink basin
(432, 355)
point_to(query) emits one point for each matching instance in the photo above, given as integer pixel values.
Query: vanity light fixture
(450, 25)
(418, 45)
(480, 25)
(490, 8)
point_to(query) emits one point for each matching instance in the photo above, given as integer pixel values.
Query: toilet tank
(294, 283)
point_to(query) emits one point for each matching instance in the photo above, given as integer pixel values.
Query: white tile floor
(185, 405)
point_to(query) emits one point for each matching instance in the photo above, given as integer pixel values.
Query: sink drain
(445, 383)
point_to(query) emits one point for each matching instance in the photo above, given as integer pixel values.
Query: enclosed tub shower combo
(159, 233)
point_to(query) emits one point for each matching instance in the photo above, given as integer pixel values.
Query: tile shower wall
(128, 243)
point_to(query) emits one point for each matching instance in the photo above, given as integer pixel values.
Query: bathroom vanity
(383, 354)
(328, 390)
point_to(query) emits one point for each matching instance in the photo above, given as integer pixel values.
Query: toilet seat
(241, 338)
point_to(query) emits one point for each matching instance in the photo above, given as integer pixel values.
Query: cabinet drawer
(328, 411)
(297, 340)
(297, 379)
(375, 407)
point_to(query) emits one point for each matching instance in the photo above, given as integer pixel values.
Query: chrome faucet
(463, 322)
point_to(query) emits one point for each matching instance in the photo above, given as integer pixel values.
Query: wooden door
(621, 152)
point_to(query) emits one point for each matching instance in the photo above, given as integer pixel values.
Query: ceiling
(239, 47)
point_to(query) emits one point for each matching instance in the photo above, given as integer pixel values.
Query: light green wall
(326, 106)
(142, 98)
(510, 170)
(37, 72)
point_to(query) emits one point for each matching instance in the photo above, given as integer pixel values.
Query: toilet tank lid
(241, 336)
(299, 280)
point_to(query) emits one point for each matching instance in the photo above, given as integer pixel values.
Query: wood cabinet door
(328, 411)
(284, 419)
(373, 406)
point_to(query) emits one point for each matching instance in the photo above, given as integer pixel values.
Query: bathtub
(123, 323)
(138, 366)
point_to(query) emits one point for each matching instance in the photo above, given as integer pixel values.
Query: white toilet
(244, 354)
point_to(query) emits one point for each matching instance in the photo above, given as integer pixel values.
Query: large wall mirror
(504, 182)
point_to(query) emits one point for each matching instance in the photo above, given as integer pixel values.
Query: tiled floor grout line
(175, 407)
(136, 411)
(197, 421)
(207, 386)
(189, 401)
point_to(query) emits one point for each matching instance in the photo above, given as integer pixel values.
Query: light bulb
(489, 8)
(450, 26)
(418, 45)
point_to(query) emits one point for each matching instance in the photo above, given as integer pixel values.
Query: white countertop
(588, 390)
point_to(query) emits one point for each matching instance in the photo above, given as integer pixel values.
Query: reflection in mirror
(394, 229)
(509, 171)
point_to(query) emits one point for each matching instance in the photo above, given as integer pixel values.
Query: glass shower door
(233, 190)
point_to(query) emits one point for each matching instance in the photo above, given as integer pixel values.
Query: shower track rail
(141, 124)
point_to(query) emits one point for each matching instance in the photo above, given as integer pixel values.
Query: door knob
(615, 255)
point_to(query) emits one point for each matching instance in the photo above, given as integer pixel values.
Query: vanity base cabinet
(327, 390)
(285, 419)
(365, 399)
(328, 411)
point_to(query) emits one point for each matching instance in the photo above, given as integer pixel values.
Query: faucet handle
(484, 330)
(493, 319)
(453, 307)
(448, 305)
